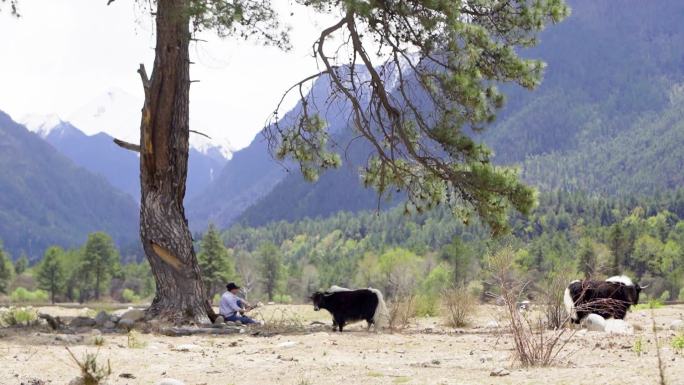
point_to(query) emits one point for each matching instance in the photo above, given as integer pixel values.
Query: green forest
(571, 234)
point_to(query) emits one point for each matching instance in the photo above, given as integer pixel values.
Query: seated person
(232, 307)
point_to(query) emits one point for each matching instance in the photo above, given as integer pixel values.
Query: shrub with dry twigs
(402, 309)
(534, 344)
(458, 304)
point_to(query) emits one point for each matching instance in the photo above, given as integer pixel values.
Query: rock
(81, 322)
(287, 344)
(77, 381)
(170, 381)
(127, 375)
(101, 318)
(109, 325)
(618, 326)
(219, 320)
(499, 372)
(594, 323)
(95, 332)
(492, 325)
(134, 315)
(677, 325)
(126, 324)
(115, 318)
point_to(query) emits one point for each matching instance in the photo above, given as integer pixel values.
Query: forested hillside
(45, 199)
(569, 233)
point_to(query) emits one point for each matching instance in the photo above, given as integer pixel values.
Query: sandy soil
(426, 353)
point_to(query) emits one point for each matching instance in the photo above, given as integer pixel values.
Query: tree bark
(164, 132)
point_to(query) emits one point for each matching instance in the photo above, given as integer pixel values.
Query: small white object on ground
(618, 326)
(594, 323)
(170, 381)
(677, 325)
(287, 344)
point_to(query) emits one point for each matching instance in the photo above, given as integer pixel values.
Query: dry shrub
(534, 344)
(92, 372)
(552, 292)
(402, 310)
(458, 304)
(280, 320)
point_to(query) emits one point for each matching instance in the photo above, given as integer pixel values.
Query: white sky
(63, 53)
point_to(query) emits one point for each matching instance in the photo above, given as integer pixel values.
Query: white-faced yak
(352, 305)
(609, 299)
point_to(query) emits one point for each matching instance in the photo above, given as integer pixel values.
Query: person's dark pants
(239, 318)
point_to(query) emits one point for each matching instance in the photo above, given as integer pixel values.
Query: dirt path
(426, 354)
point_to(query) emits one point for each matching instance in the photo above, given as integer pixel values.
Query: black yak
(347, 305)
(609, 299)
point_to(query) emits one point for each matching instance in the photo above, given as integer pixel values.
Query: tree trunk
(164, 132)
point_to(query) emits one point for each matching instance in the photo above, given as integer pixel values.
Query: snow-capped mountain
(86, 139)
(117, 113)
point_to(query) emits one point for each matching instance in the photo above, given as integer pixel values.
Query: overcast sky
(63, 53)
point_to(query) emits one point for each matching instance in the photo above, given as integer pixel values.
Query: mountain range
(607, 119)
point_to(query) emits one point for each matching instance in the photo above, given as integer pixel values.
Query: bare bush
(552, 292)
(402, 309)
(534, 344)
(280, 320)
(458, 304)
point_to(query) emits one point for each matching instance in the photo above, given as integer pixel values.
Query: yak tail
(381, 316)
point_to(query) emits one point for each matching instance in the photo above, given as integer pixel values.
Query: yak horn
(643, 287)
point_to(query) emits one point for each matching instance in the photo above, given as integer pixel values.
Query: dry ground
(426, 353)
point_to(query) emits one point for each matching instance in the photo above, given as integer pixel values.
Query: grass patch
(375, 374)
(135, 341)
(651, 304)
(18, 316)
(402, 380)
(678, 343)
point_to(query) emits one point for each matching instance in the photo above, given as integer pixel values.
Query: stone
(126, 324)
(80, 322)
(109, 325)
(170, 381)
(677, 325)
(618, 326)
(69, 339)
(499, 372)
(492, 325)
(115, 318)
(594, 323)
(77, 381)
(219, 320)
(101, 318)
(134, 315)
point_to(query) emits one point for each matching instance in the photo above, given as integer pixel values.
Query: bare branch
(200, 133)
(127, 146)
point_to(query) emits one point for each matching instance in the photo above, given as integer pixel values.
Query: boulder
(101, 318)
(109, 325)
(594, 323)
(219, 320)
(126, 324)
(677, 325)
(115, 318)
(81, 322)
(134, 315)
